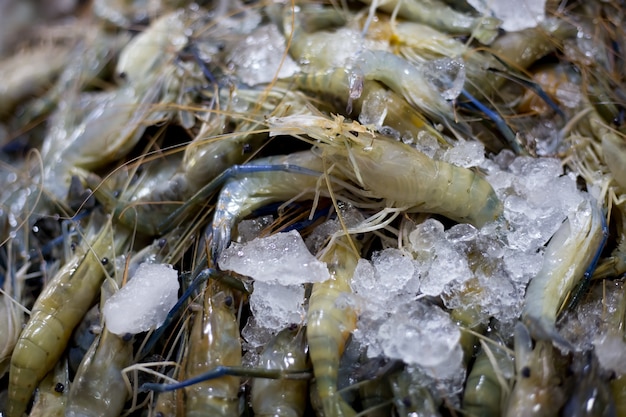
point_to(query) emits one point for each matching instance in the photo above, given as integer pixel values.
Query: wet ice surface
(515, 15)
(282, 258)
(143, 303)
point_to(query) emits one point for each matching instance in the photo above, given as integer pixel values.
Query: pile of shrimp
(134, 131)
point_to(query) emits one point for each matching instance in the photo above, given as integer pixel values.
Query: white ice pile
(279, 265)
(143, 303)
(515, 14)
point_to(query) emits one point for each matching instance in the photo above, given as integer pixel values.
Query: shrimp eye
(360, 236)
(73, 246)
(127, 337)
(59, 387)
(122, 75)
(162, 242)
(525, 372)
(228, 301)
(246, 148)
(104, 261)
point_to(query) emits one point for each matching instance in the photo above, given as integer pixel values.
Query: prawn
(570, 256)
(52, 393)
(397, 172)
(214, 340)
(98, 387)
(442, 17)
(537, 390)
(330, 321)
(486, 389)
(58, 309)
(287, 351)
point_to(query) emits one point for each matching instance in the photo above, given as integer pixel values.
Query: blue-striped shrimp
(52, 393)
(98, 388)
(570, 257)
(397, 172)
(442, 17)
(538, 390)
(330, 322)
(57, 311)
(265, 183)
(287, 351)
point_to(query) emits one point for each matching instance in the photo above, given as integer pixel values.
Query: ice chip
(276, 306)
(143, 303)
(281, 258)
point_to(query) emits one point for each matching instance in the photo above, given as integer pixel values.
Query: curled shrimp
(58, 309)
(330, 321)
(392, 170)
(287, 351)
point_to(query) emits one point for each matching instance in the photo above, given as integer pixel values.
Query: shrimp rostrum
(397, 172)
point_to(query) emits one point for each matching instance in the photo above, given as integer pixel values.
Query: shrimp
(392, 110)
(330, 321)
(410, 397)
(11, 312)
(52, 393)
(58, 309)
(214, 341)
(397, 172)
(486, 389)
(537, 390)
(442, 17)
(571, 254)
(98, 387)
(240, 196)
(287, 351)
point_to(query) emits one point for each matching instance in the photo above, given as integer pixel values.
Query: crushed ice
(143, 303)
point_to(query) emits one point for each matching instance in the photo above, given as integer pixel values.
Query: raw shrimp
(214, 341)
(486, 389)
(52, 392)
(58, 309)
(245, 193)
(98, 388)
(287, 351)
(442, 17)
(11, 312)
(537, 391)
(397, 172)
(330, 321)
(392, 110)
(570, 257)
(410, 397)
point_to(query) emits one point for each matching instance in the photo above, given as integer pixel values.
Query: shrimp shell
(330, 323)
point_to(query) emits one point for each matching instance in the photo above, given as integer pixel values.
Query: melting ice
(143, 303)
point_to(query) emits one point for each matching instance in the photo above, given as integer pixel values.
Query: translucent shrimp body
(572, 249)
(245, 193)
(214, 341)
(400, 174)
(282, 397)
(330, 323)
(57, 311)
